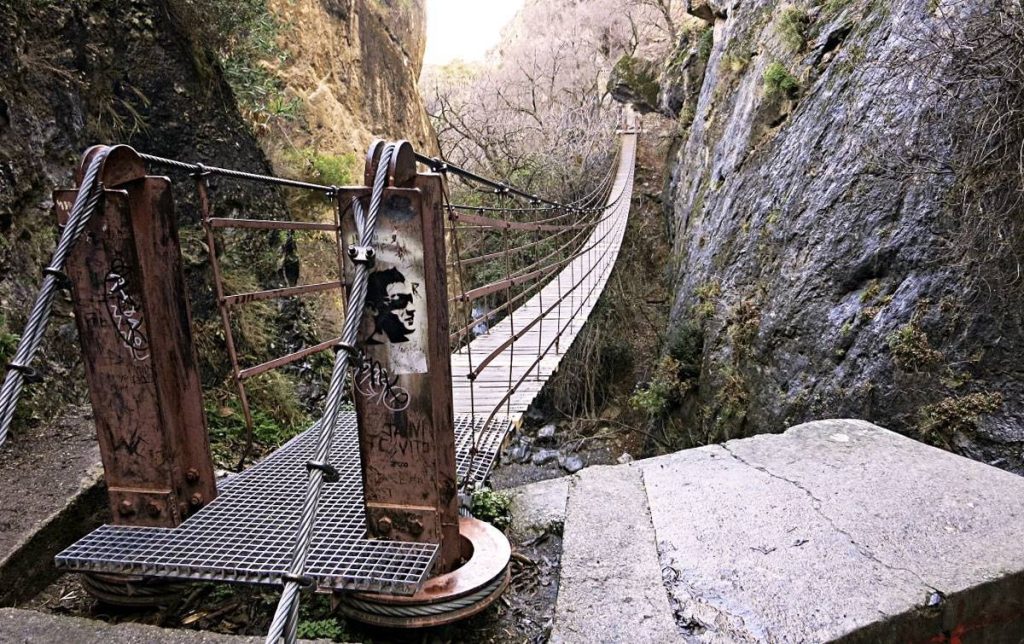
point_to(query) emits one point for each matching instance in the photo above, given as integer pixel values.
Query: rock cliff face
(846, 226)
(297, 88)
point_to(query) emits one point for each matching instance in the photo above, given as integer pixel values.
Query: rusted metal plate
(174, 360)
(406, 427)
(135, 328)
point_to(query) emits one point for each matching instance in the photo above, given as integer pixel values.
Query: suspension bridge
(365, 502)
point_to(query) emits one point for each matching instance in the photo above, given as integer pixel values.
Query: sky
(465, 29)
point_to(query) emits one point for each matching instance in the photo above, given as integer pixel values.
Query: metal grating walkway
(247, 533)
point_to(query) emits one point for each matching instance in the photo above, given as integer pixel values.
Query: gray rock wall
(832, 245)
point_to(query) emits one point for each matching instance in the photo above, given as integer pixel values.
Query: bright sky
(465, 29)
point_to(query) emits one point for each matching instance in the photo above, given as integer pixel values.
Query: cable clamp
(304, 581)
(63, 281)
(29, 374)
(361, 255)
(331, 474)
(439, 166)
(350, 349)
(471, 376)
(200, 171)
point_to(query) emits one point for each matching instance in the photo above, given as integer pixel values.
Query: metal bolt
(384, 525)
(196, 500)
(192, 476)
(153, 509)
(416, 527)
(126, 508)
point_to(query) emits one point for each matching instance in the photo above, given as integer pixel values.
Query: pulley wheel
(132, 591)
(447, 598)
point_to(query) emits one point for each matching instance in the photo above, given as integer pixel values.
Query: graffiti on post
(125, 312)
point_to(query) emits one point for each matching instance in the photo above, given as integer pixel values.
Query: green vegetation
(664, 390)
(743, 325)
(871, 292)
(736, 62)
(779, 82)
(730, 398)
(8, 341)
(706, 42)
(792, 26)
(675, 374)
(243, 36)
(707, 300)
(639, 76)
(911, 348)
(956, 414)
(832, 7)
(329, 169)
(329, 628)
(493, 507)
(277, 416)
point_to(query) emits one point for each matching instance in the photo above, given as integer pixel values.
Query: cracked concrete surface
(610, 587)
(838, 530)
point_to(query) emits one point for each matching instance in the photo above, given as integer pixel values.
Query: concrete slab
(50, 495)
(610, 587)
(839, 530)
(28, 627)
(538, 507)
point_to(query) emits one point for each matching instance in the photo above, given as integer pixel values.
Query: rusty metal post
(406, 430)
(135, 328)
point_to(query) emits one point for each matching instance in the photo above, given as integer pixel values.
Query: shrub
(792, 26)
(706, 43)
(493, 507)
(910, 347)
(664, 391)
(322, 629)
(957, 414)
(686, 346)
(707, 300)
(779, 82)
(8, 341)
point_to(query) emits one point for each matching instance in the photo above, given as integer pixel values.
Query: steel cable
(285, 621)
(427, 610)
(89, 193)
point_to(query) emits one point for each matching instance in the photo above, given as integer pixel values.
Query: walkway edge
(610, 587)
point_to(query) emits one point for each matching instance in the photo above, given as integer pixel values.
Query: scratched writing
(373, 381)
(131, 444)
(402, 439)
(125, 313)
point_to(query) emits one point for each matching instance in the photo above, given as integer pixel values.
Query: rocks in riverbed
(545, 456)
(546, 434)
(571, 463)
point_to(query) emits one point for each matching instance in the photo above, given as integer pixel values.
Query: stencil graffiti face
(392, 302)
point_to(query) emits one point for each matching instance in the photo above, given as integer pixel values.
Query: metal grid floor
(246, 534)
